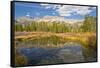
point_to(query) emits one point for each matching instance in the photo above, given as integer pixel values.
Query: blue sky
(41, 10)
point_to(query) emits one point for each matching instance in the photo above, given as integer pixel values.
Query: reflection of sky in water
(66, 54)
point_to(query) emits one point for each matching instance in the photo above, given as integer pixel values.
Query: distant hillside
(24, 20)
(27, 20)
(56, 18)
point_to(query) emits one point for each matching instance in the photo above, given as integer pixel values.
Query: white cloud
(48, 6)
(68, 10)
(56, 6)
(82, 10)
(64, 11)
(28, 14)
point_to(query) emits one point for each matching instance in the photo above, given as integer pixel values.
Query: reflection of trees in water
(89, 54)
(62, 56)
(52, 41)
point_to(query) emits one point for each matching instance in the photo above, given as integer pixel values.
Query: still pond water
(70, 52)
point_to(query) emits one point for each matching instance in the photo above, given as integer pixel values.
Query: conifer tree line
(89, 25)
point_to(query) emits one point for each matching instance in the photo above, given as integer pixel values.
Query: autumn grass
(85, 38)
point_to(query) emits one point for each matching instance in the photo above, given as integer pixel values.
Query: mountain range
(26, 20)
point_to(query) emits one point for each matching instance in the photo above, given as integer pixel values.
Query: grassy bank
(85, 38)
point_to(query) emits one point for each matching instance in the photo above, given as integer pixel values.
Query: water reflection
(69, 53)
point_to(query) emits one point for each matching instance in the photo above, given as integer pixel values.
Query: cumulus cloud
(68, 10)
(27, 14)
(48, 6)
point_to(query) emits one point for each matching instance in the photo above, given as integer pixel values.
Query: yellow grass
(83, 37)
